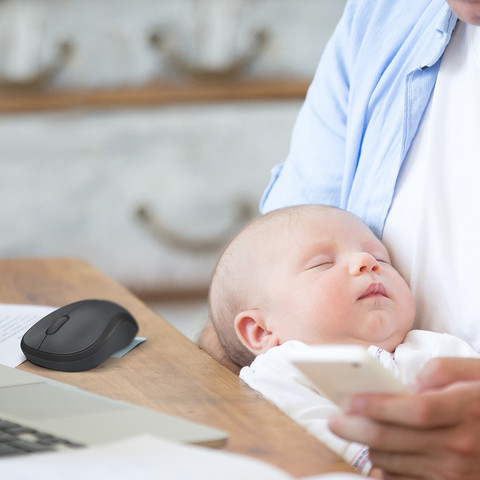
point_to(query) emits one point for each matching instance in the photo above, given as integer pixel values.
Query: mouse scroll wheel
(56, 324)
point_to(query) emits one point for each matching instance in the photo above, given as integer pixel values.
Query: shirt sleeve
(272, 375)
(314, 169)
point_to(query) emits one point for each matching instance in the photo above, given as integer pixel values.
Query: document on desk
(15, 320)
(149, 458)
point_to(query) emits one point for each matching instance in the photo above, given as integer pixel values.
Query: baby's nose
(363, 262)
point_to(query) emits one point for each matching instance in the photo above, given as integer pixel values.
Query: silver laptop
(38, 411)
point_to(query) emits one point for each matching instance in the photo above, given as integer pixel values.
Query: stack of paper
(147, 458)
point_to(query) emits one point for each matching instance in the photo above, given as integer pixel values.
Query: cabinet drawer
(72, 183)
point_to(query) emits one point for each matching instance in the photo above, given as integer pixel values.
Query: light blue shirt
(363, 108)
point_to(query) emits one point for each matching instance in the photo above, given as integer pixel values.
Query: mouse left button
(57, 324)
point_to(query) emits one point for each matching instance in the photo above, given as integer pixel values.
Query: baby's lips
(373, 290)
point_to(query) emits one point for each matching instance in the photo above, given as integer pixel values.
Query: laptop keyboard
(17, 439)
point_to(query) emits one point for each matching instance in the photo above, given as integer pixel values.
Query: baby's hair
(232, 288)
(223, 302)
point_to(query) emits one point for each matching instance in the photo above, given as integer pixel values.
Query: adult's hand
(209, 342)
(433, 433)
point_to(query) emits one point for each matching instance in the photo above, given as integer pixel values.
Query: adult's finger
(435, 408)
(436, 466)
(440, 372)
(381, 436)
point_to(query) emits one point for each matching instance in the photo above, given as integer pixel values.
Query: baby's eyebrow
(319, 246)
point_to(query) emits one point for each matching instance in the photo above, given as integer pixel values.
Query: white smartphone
(341, 371)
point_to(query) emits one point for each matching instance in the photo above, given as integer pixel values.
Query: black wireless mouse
(79, 336)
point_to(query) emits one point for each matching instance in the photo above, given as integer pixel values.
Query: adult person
(390, 131)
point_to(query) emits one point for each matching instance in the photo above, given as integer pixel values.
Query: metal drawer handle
(186, 66)
(243, 212)
(45, 74)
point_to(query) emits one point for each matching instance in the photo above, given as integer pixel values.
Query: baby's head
(311, 273)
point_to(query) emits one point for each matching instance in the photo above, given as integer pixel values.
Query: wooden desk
(167, 372)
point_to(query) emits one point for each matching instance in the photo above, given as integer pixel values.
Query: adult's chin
(466, 10)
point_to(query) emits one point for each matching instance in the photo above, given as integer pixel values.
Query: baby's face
(332, 282)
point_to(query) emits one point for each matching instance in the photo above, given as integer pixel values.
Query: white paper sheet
(15, 320)
(148, 458)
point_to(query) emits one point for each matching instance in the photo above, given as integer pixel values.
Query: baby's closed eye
(320, 263)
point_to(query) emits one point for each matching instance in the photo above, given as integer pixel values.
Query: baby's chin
(384, 332)
(389, 343)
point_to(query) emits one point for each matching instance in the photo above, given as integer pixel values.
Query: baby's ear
(252, 332)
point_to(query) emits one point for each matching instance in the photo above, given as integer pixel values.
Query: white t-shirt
(433, 228)
(279, 381)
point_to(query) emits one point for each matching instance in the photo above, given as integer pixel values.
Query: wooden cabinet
(121, 158)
